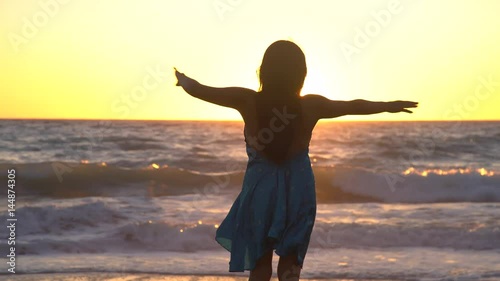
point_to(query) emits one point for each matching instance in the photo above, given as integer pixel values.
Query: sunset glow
(114, 59)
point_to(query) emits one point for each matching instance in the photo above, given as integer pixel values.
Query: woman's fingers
(401, 106)
(409, 104)
(179, 76)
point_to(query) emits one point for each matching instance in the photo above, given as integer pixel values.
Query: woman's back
(258, 137)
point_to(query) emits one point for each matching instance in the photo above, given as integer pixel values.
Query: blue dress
(275, 210)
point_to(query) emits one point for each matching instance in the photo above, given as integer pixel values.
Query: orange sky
(113, 59)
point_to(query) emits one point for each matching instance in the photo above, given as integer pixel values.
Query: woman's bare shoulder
(313, 100)
(313, 105)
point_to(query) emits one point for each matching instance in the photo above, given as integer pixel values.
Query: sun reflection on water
(426, 172)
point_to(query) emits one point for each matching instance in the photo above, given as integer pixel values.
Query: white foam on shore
(394, 264)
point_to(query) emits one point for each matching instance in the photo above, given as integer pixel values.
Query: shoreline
(94, 276)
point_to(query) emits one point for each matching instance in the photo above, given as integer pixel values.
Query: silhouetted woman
(276, 207)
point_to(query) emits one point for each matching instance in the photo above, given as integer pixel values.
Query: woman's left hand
(401, 106)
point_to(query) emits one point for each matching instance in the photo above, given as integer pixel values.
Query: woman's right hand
(185, 82)
(181, 77)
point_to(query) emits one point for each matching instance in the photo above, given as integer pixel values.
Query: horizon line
(238, 120)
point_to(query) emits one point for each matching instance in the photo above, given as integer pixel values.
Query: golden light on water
(484, 172)
(155, 166)
(426, 172)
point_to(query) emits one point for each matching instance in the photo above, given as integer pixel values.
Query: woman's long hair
(281, 75)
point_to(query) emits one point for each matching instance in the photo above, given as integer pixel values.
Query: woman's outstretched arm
(326, 108)
(234, 97)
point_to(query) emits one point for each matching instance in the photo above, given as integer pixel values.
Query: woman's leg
(288, 269)
(263, 268)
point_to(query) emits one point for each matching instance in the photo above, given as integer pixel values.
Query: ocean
(396, 200)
